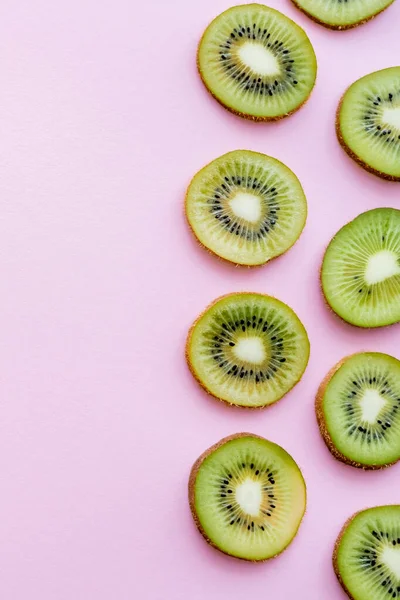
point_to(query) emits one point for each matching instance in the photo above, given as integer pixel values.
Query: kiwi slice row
(247, 497)
(366, 557)
(358, 410)
(342, 14)
(246, 207)
(247, 349)
(256, 62)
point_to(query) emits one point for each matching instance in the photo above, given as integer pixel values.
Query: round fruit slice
(360, 272)
(248, 349)
(247, 497)
(256, 62)
(358, 410)
(338, 14)
(366, 558)
(246, 207)
(368, 123)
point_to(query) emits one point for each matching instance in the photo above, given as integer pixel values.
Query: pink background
(103, 122)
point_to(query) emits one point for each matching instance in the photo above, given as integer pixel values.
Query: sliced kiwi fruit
(246, 207)
(358, 410)
(256, 62)
(342, 14)
(368, 122)
(247, 349)
(366, 557)
(247, 496)
(360, 272)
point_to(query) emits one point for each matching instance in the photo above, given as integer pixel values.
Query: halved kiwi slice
(256, 62)
(360, 272)
(247, 349)
(366, 558)
(368, 122)
(358, 410)
(247, 496)
(246, 207)
(342, 14)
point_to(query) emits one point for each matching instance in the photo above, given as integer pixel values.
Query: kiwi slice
(256, 62)
(247, 496)
(360, 272)
(366, 557)
(368, 122)
(247, 349)
(342, 14)
(358, 410)
(246, 207)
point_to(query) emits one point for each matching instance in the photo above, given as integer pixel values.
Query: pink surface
(103, 123)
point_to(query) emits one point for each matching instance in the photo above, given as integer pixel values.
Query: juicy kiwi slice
(360, 272)
(247, 349)
(366, 558)
(358, 410)
(247, 497)
(246, 207)
(368, 122)
(257, 62)
(342, 14)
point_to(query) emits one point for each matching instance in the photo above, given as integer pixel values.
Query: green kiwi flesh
(246, 207)
(366, 558)
(360, 272)
(368, 122)
(360, 410)
(257, 62)
(247, 497)
(342, 14)
(248, 349)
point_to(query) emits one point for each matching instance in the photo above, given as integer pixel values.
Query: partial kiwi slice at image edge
(366, 554)
(247, 349)
(247, 496)
(335, 14)
(360, 271)
(246, 207)
(257, 62)
(368, 122)
(358, 410)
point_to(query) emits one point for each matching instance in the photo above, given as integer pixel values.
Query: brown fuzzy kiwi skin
(337, 545)
(254, 118)
(222, 258)
(193, 372)
(350, 152)
(319, 411)
(191, 493)
(339, 27)
(336, 551)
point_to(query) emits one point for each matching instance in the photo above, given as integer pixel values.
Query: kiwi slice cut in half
(368, 122)
(246, 207)
(358, 410)
(360, 272)
(366, 557)
(247, 496)
(257, 62)
(247, 349)
(342, 14)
